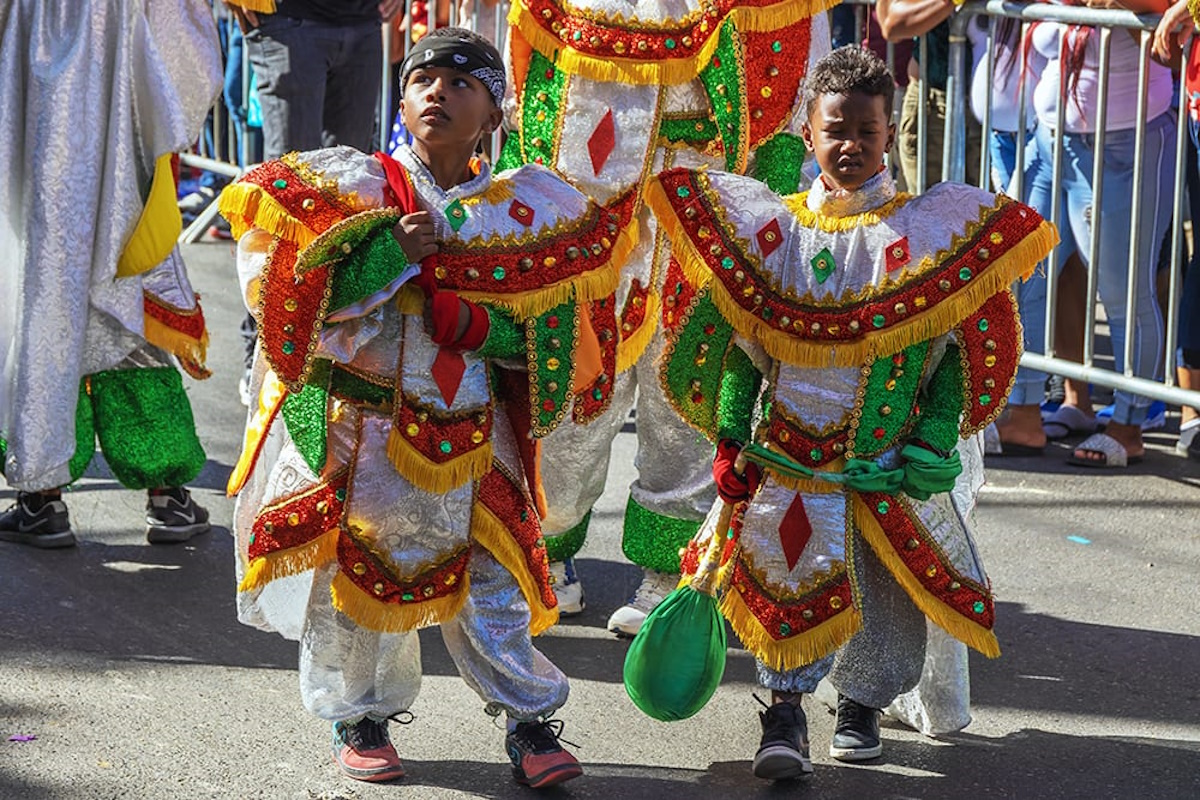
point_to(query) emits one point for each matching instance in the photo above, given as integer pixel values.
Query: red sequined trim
(989, 358)
(811, 450)
(188, 322)
(441, 437)
(501, 496)
(315, 209)
(610, 39)
(677, 296)
(365, 571)
(736, 270)
(773, 77)
(595, 399)
(292, 312)
(784, 618)
(504, 268)
(924, 559)
(300, 518)
(634, 312)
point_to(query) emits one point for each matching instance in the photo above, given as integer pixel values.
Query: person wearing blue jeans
(1112, 271)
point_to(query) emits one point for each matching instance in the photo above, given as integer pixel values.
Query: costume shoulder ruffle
(818, 291)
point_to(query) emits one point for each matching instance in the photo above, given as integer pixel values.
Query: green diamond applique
(823, 265)
(456, 213)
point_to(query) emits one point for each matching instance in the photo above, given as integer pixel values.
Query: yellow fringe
(258, 6)
(247, 206)
(630, 349)
(270, 396)
(372, 614)
(158, 226)
(488, 530)
(591, 285)
(434, 477)
(809, 485)
(798, 205)
(191, 353)
(283, 563)
(1017, 262)
(795, 651)
(966, 631)
(666, 72)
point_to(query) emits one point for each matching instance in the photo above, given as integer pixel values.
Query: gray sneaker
(172, 516)
(38, 522)
(856, 735)
(783, 752)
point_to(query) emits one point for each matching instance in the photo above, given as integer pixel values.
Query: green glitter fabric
(304, 413)
(740, 383)
(941, 403)
(698, 130)
(726, 90)
(890, 394)
(368, 268)
(652, 540)
(569, 542)
(536, 139)
(351, 387)
(692, 376)
(145, 426)
(552, 338)
(777, 162)
(505, 338)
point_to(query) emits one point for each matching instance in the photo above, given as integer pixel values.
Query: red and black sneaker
(538, 758)
(364, 751)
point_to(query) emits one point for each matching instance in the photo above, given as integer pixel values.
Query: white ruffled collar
(841, 203)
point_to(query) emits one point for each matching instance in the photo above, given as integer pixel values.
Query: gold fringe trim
(431, 476)
(192, 353)
(1017, 262)
(488, 530)
(809, 485)
(969, 633)
(270, 396)
(247, 205)
(667, 72)
(258, 6)
(798, 205)
(794, 651)
(631, 349)
(374, 615)
(282, 563)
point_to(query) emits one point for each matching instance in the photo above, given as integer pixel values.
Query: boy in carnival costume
(869, 330)
(609, 94)
(399, 474)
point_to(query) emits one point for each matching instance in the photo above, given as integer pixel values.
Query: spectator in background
(904, 19)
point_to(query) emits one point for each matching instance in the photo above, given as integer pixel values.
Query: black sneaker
(538, 758)
(36, 521)
(783, 752)
(173, 516)
(856, 735)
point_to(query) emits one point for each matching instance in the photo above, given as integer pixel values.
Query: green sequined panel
(541, 104)
(368, 268)
(304, 413)
(891, 392)
(778, 162)
(652, 540)
(568, 543)
(145, 426)
(550, 348)
(505, 337)
(691, 372)
(694, 131)
(740, 384)
(349, 386)
(942, 403)
(723, 79)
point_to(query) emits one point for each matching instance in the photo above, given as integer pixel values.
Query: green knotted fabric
(678, 657)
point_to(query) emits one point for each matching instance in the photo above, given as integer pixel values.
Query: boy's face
(848, 135)
(446, 109)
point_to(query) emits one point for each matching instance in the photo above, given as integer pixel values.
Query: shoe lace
(542, 736)
(369, 734)
(852, 715)
(779, 721)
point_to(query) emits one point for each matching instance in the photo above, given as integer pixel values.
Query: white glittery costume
(391, 491)
(97, 95)
(609, 93)
(885, 328)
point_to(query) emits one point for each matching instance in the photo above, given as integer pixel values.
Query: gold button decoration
(944, 285)
(293, 519)
(378, 587)
(347, 248)
(931, 570)
(477, 437)
(901, 308)
(619, 47)
(835, 602)
(552, 364)
(472, 274)
(911, 544)
(290, 304)
(996, 237)
(885, 411)
(955, 586)
(989, 361)
(854, 325)
(450, 579)
(439, 273)
(269, 527)
(360, 568)
(765, 91)
(989, 345)
(308, 203)
(549, 261)
(323, 507)
(412, 429)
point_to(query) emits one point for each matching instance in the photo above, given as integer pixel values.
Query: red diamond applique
(602, 141)
(794, 532)
(769, 238)
(448, 369)
(897, 255)
(521, 213)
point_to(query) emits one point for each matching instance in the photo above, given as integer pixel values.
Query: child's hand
(414, 232)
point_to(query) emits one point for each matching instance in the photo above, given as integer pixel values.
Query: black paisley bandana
(458, 53)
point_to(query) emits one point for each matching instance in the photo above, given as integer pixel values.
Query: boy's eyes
(458, 81)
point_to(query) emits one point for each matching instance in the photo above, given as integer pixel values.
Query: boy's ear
(891, 136)
(494, 120)
(806, 135)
